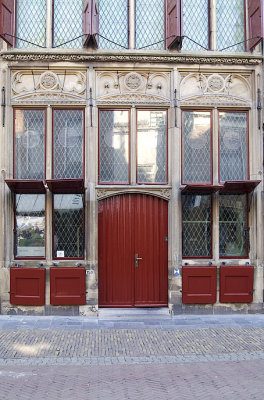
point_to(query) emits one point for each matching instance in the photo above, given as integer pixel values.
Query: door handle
(136, 260)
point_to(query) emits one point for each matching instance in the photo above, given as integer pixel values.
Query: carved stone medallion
(133, 81)
(216, 83)
(48, 80)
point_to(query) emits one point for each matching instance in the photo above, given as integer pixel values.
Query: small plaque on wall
(60, 253)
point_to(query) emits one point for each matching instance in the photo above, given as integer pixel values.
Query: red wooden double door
(133, 251)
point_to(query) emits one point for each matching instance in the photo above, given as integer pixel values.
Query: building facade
(131, 156)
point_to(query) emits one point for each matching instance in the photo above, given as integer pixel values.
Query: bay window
(138, 152)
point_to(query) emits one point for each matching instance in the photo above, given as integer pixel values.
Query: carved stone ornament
(170, 58)
(133, 81)
(103, 193)
(48, 80)
(216, 83)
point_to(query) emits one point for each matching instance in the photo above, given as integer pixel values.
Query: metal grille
(68, 23)
(233, 225)
(114, 143)
(30, 225)
(113, 23)
(29, 144)
(196, 142)
(31, 22)
(196, 225)
(151, 146)
(68, 144)
(230, 26)
(195, 24)
(233, 146)
(68, 226)
(150, 24)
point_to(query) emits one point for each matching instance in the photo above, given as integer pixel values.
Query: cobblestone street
(188, 360)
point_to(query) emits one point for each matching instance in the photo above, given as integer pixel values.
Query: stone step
(133, 313)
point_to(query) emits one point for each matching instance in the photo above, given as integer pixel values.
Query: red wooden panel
(26, 186)
(7, 20)
(90, 24)
(236, 284)
(27, 286)
(203, 189)
(255, 23)
(129, 225)
(62, 186)
(67, 286)
(199, 284)
(239, 187)
(174, 24)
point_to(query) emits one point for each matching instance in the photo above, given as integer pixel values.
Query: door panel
(128, 225)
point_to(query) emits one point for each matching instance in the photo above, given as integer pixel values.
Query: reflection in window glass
(114, 144)
(230, 24)
(35, 30)
(196, 225)
(30, 225)
(151, 146)
(29, 144)
(150, 24)
(113, 24)
(68, 226)
(68, 23)
(233, 225)
(196, 146)
(68, 144)
(195, 24)
(233, 146)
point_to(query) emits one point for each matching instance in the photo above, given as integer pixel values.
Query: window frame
(219, 154)
(83, 139)
(53, 229)
(15, 229)
(14, 139)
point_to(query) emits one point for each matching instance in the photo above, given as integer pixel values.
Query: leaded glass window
(30, 225)
(67, 23)
(196, 225)
(68, 144)
(230, 24)
(68, 225)
(151, 146)
(150, 26)
(113, 24)
(196, 147)
(29, 144)
(31, 23)
(195, 24)
(114, 146)
(233, 146)
(233, 240)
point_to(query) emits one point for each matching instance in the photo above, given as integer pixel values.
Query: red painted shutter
(199, 284)
(236, 284)
(27, 286)
(174, 24)
(91, 24)
(67, 286)
(255, 23)
(7, 20)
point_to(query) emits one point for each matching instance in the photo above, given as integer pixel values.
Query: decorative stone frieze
(103, 193)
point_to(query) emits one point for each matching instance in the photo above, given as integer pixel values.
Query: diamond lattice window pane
(113, 24)
(233, 146)
(196, 143)
(29, 144)
(196, 225)
(68, 23)
(114, 144)
(68, 226)
(30, 225)
(30, 23)
(150, 27)
(151, 146)
(230, 24)
(233, 225)
(195, 24)
(68, 144)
